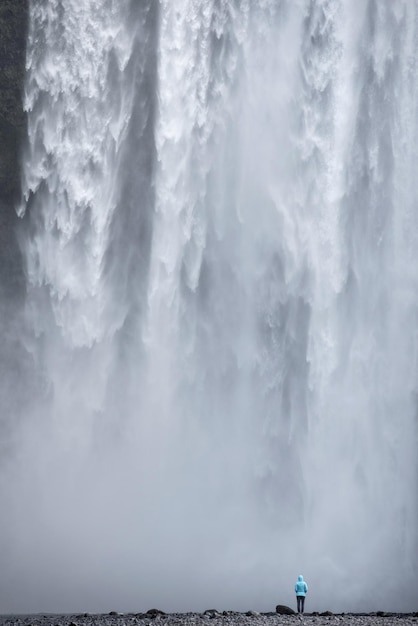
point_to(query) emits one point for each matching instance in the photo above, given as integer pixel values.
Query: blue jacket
(301, 587)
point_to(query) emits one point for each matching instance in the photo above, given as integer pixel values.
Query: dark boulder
(154, 613)
(284, 610)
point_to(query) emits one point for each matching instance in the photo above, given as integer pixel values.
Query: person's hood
(300, 578)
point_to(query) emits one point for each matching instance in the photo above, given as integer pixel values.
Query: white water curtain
(219, 229)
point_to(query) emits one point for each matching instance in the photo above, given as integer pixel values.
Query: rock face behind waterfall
(13, 30)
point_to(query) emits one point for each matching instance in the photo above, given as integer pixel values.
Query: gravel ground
(213, 618)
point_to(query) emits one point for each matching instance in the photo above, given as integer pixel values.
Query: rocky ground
(213, 618)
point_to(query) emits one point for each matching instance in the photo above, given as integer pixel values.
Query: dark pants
(300, 600)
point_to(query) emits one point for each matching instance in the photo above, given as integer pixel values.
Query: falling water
(220, 235)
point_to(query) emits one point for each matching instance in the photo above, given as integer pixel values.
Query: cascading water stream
(219, 231)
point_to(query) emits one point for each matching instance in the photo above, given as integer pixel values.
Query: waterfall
(219, 231)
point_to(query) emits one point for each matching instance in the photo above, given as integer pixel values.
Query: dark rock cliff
(14, 363)
(13, 32)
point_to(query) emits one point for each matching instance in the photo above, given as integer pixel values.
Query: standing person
(301, 589)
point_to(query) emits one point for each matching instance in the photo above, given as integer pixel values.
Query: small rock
(155, 612)
(284, 610)
(211, 612)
